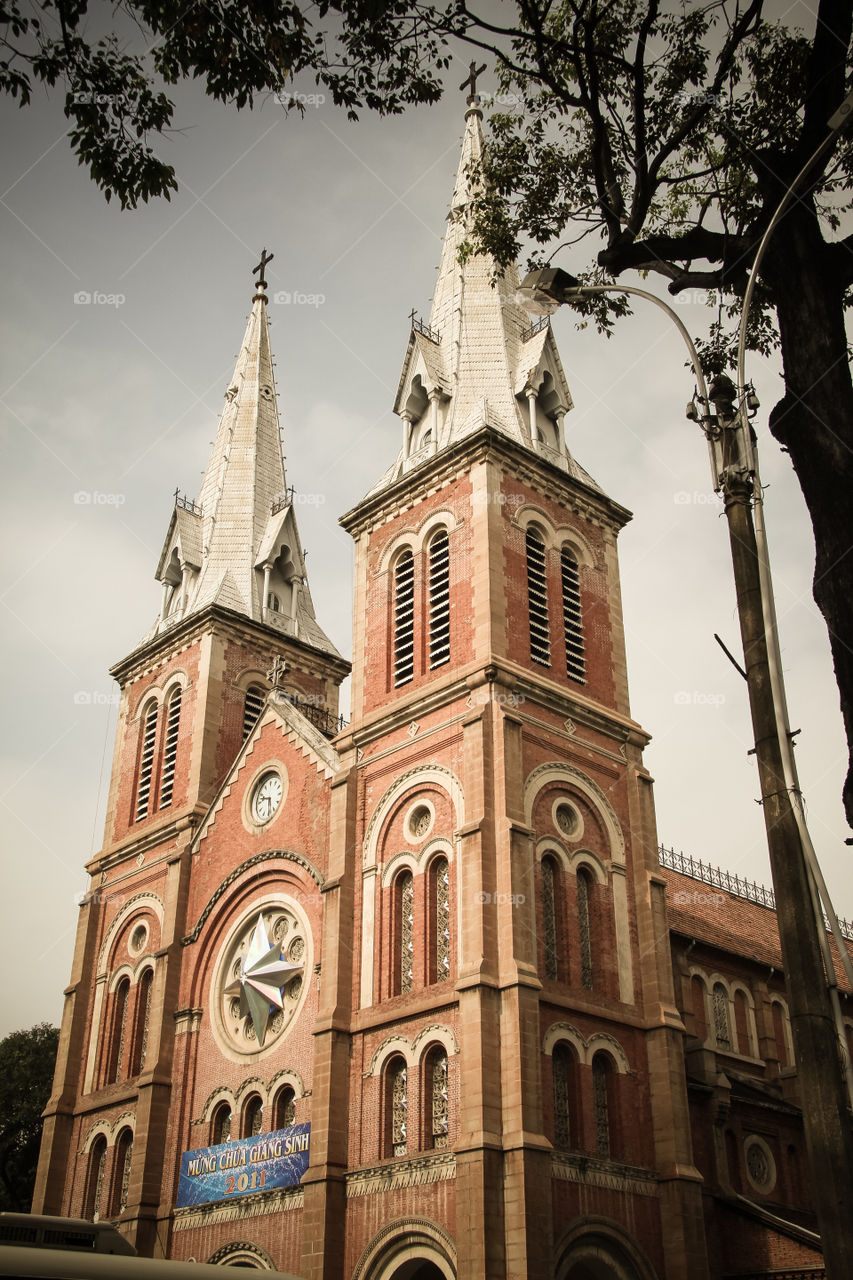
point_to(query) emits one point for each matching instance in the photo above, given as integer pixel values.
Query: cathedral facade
(401, 997)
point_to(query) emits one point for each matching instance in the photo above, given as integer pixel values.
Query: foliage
(27, 1060)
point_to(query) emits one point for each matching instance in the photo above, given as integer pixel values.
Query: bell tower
(235, 602)
(507, 974)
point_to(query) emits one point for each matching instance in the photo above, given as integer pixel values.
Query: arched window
(733, 1160)
(572, 620)
(697, 996)
(722, 1025)
(170, 748)
(273, 602)
(220, 1129)
(252, 708)
(744, 1045)
(439, 599)
(141, 1021)
(549, 916)
(119, 1031)
(537, 597)
(396, 1107)
(602, 1099)
(146, 761)
(253, 1116)
(404, 904)
(584, 880)
(121, 1171)
(437, 1100)
(95, 1179)
(284, 1112)
(439, 883)
(564, 1066)
(404, 618)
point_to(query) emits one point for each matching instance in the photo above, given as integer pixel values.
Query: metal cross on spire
(473, 72)
(277, 672)
(262, 265)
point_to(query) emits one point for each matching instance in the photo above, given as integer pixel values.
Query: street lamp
(812, 987)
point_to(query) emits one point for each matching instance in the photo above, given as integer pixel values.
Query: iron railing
(740, 887)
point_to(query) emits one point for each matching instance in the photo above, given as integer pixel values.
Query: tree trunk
(814, 422)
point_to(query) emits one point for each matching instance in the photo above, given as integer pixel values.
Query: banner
(238, 1168)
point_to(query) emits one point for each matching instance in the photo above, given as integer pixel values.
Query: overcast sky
(110, 404)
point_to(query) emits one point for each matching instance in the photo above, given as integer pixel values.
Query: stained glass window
(722, 1032)
(406, 895)
(143, 1012)
(285, 1109)
(549, 915)
(97, 1168)
(441, 883)
(584, 931)
(439, 1099)
(119, 1028)
(600, 1074)
(222, 1124)
(399, 1105)
(562, 1067)
(125, 1153)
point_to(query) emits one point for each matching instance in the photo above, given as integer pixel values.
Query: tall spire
(479, 360)
(238, 545)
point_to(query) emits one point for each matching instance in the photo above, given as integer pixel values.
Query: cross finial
(471, 82)
(412, 315)
(277, 672)
(262, 265)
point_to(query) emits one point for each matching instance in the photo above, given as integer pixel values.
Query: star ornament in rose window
(263, 975)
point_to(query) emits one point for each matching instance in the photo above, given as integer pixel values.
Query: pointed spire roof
(217, 547)
(479, 355)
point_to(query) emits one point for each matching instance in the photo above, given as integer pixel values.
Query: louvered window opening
(439, 599)
(439, 1108)
(599, 1094)
(537, 595)
(146, 764)
(170, 751)
(407, 925)
(549, 913)
(252, 708)
(584, 930)
(404, 619)
(442, 920)
(399, 1105)
(561, 1065)
(572, 620)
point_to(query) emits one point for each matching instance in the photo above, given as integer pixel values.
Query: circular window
(138, 939)
(262, 977)
(418, 823)
(567, 819)
(760, 1165)
(266, 796)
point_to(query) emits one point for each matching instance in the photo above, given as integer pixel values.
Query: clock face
(267, 797)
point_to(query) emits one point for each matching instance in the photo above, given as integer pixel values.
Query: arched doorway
(409, 1249)
(601, 1250)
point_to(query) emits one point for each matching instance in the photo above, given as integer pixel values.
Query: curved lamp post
(810, 977)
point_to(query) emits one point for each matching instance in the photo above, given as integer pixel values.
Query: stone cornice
(589, 1171)
(484, 445)
(436, 1167)
(215, 618)
(251, 1206)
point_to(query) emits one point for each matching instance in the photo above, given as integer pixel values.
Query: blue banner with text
(260, 1163)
